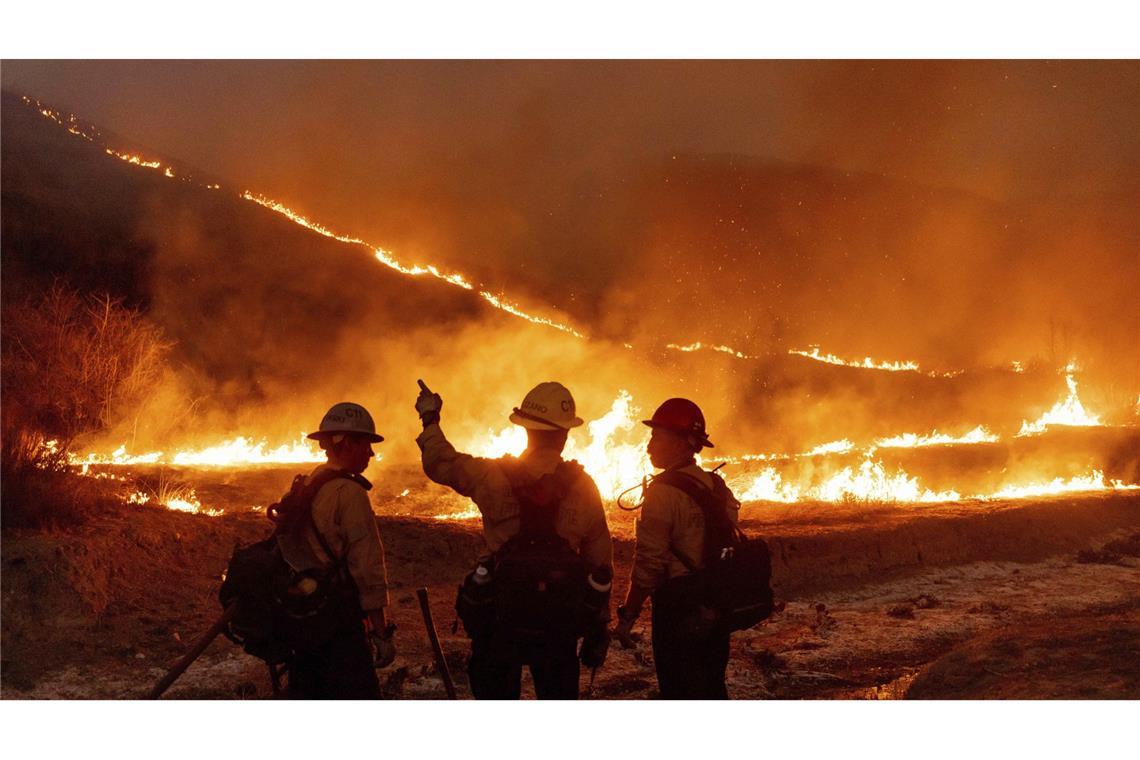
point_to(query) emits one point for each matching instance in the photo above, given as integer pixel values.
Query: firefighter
(506, 491)
(344, 667)
(671, 526)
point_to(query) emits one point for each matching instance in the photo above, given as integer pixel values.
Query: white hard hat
(347, 417)
(548, 406)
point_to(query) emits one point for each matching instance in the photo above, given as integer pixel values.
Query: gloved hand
(595, 647)
(383, 648)
(428, 405)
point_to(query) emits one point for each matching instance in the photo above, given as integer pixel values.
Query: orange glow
(70, 122)
(613, 452)
(131, 158)
(911, 440)
(1068, 411)
(185, 500)
(871, 482)
(471, 513)
(612, 447)
(1094, 481)
(715, 347)
(866, 363)
(511, 308)
(237, 452)
(834, 447)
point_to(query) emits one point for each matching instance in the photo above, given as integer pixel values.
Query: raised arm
(441, 462)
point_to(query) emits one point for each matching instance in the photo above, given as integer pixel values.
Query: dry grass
(47, 499)
(71, 363)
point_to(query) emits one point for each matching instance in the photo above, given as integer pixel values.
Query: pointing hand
(428, 404)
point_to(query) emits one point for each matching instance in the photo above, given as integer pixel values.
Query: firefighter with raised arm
(690, 650)
(544, 581)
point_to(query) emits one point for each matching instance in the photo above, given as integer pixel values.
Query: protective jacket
(343, 515)
(670, 518)
(581, 519)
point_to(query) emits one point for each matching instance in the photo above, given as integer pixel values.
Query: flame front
(612, 447)
(1094, 481)
(1068, 411)
(866, 363)
(698, 346)
(911, 440)
(184, 500)
(236, 452)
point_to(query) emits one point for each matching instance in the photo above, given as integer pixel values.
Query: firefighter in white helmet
(545, 579)
(343, 534)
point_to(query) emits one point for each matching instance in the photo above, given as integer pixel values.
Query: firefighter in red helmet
(690, 661)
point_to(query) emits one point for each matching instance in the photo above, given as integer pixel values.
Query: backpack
(732, 590)
(279, 610)
(539, 581)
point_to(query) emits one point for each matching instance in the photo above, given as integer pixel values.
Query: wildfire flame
(768, 486)
(911, 440)
(132, 158)
(471, 513)
(70, 122)
(866, 363)
(834, 447)
(235, 452)
(614, 451)
(185, 501)
(698, 346)
(1068, 411)
(871, 482)
(1094, 481)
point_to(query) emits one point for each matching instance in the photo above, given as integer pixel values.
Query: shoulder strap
(687, 483)
(315, 484)
(709, 500)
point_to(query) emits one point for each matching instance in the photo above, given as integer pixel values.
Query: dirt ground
(1015, 600)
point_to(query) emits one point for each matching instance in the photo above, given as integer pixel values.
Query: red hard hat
(681, 416)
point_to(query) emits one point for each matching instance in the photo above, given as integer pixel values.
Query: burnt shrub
(70, 363)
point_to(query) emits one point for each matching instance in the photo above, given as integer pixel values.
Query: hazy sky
(1010, 128)
(517, 170)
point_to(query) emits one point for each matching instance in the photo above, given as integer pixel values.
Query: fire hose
(644, 484)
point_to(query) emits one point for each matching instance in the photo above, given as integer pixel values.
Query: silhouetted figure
(545, 579)
(690, 658)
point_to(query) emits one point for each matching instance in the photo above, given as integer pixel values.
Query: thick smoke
(959, 214)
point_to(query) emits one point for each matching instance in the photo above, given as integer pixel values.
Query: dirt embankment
(841, 546)
(875, 598)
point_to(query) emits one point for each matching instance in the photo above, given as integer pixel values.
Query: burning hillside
(770, 405)
(925, 392)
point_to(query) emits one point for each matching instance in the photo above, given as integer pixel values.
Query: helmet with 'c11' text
(347, 417)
